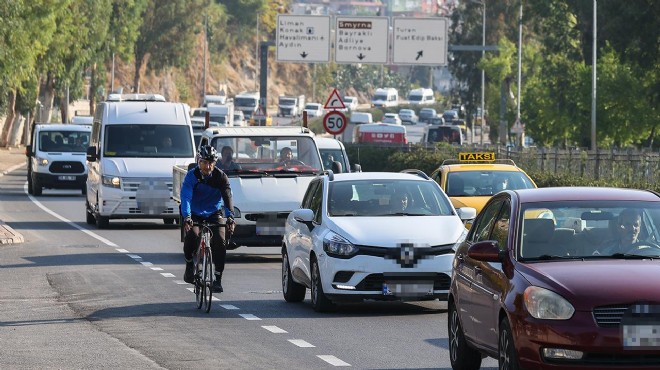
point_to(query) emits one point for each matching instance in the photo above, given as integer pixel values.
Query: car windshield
(589, 229)
(63, 141)
(485, 182)
(148, 141)
(263, 154)
(374, 198)
(312, 107)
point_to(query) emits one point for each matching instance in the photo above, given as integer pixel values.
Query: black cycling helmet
(208, 153)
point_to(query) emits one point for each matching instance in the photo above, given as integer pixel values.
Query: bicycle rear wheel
(208, 279)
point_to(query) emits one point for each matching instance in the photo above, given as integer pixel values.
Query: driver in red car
(626, 233)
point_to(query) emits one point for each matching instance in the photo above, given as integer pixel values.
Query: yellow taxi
(474, 177)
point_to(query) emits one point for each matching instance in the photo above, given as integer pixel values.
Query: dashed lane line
(274, 329)
(301, 343)
(332, 360)
(248, 316)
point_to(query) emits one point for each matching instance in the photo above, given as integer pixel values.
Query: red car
(559, 278)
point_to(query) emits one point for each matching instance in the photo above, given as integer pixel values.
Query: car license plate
(641, 336)
(270, 225)
(66, 178)
(416, 288)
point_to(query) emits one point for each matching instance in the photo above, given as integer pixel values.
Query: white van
(265, 189)
(56, 157)
(247, 102)
(421, 97)
(333, 150)
(133, 146)
(223, 114)
(360, 118)
(387, 97)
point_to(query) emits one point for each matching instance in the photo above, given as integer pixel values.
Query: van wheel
(30, 188)
(36, 186)
(89, 215)
(102, 222)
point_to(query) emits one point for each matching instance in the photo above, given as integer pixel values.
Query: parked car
(314, 109)
(392, 118)
(426, 114)
(365, 235)
(543, 281)
(408, 116)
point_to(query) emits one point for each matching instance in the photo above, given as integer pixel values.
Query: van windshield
(63, 141)
(380, 97)
(265, 154)
(148, 141)
(415, 97)
(245, 102)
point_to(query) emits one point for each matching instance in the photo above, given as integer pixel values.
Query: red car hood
(588, 284)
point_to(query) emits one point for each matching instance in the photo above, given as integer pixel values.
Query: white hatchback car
(371, 235)
(392, 118)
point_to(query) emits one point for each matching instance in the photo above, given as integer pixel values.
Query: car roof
(352, 176)
(259, 131)
(62, 127)
(584, 193)
(327, 143)
(462, 167)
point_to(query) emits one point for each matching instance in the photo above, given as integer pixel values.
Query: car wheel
(320, 301)
(30, 189)
(102, 222)
(89, 215)
(461, 355)
(293, 292)
(36, 186)
(507, 358)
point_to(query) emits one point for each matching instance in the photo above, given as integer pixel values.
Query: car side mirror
(336, 167)
(92, 155)
(467, 213)
(486, 251)
(305, 216)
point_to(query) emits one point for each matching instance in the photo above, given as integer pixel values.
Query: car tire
(461, 355)
(36, 186)
(293, 292)
(507, 357)
(320, 302)
(30, 188)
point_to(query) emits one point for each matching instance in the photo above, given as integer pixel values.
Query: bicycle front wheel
(199, 283)
(208, 280)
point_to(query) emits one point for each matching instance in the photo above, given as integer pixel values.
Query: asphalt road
(77, 297)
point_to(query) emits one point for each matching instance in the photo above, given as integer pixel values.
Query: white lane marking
(248, 316)
(147, 264)
(157, 268)
(134, 256)
(71, 223)
(14, 167)
(214, 299)
(274, 329)
(121, 250)
(191, 289)
(167, 274)
(229, 307)
(301, 343)
(332, 360)
(180, 282)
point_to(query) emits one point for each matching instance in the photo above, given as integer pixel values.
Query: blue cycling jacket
(205, 196)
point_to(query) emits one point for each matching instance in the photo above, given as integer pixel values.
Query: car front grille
(66, 167)
(406, 254)
(133, 184)
(375, 281)
(609, 316)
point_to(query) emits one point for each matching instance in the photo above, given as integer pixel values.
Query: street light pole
(483, 72)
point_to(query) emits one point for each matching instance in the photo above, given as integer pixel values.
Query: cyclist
(206, 195)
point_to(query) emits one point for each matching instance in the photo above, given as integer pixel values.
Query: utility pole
(593, 84)
(206, 38)
(483, 72)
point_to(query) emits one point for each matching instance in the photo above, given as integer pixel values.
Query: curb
(8, 235)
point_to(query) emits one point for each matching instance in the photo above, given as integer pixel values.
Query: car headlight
(544, 304)
(112, 181)
(336, 246)
(460, 240)
(42, 161)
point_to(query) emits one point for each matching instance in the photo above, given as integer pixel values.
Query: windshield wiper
(631, 256)
(405, 214)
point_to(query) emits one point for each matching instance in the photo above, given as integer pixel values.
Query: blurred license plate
(641, 336)
(408, 288)
(66, 178)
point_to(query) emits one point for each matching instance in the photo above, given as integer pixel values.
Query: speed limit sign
(334, 122)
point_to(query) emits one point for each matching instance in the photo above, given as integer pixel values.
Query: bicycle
(204, 266)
